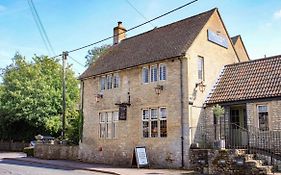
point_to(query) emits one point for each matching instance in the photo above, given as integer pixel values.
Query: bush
(29, 151)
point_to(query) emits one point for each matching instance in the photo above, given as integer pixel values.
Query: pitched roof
(234, 39)
(155, 45)
(250, 80)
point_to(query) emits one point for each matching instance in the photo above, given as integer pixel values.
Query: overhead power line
(40, 27)
(138, 12)
(110, 37)
(76, 61)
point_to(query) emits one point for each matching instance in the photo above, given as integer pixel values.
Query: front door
(238, 126)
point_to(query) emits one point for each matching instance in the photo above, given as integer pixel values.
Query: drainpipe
(181, 108)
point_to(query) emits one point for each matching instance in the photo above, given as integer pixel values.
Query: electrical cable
(102, 40)
(138, 12)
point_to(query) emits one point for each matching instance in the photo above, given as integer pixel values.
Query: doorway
(238, 129)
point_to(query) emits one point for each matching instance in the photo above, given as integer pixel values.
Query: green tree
(30, 98)
(95, 53)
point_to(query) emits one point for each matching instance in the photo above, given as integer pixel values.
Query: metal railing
(236, 137)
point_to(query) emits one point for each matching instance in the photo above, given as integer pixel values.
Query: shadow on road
(31, 164)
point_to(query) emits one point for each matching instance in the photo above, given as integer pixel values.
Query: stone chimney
(119, 33)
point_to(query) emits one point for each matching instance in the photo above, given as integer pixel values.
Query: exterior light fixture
(98, 97)
(158, 89)
(201, 86)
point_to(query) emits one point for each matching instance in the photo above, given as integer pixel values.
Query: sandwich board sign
(141, 157)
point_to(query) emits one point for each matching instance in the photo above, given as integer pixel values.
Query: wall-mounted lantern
(158, 89)
(201, 86)
(99, 97)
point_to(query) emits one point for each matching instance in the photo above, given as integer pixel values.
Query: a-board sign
(141, 156)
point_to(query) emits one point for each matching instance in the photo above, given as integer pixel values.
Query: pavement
(101, 168)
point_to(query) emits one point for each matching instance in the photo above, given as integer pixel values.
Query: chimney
(119, 33)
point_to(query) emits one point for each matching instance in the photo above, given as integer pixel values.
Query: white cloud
(2, 8)
(277, 14)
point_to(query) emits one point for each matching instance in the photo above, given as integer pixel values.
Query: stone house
(250, 93)
(149, 90)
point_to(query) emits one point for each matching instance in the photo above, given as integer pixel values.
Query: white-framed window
(162, 72)
(153, 73)
(200, 68)
(145, 74)
(102, 83)
(116, 82)
(262, 111)
(107, 128)
(109, 81)
(154, 122)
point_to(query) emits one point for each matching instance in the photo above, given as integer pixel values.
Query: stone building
(149, 90)
(250, 93)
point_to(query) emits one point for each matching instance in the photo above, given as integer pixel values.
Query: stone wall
(12, 146)
(56, 152)
(224, 162)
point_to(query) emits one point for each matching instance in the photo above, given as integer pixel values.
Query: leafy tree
(30, 98)
(95, 53)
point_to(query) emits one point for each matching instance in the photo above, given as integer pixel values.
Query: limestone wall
(56, 152)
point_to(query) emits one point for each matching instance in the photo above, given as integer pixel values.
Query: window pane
(262, 108)
(163, 113)
(115, 116)
(145, 128)
(102, 83)
(163, 128)
(109, 82)
(154, 128)
(145, 115)
(116, 81)
(153, 73)
(200, 65)
(102, 130)
(162, 72)
(263, 121)
(145, 75)
(153, 114)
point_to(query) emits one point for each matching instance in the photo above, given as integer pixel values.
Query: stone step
(264, 169)
(254, 162)
(249, 156)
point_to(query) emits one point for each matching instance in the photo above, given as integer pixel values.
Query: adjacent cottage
(149, 90)
(250, 93)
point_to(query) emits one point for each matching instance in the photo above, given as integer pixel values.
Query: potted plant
(218, 112)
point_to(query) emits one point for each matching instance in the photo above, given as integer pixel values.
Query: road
(15, 167)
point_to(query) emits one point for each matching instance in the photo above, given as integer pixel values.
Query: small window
(116, 81)
(200, 66)
(109, 81)
(162, 72)
(102, 83)
(153, 73)
(263, 117)
(145, 75)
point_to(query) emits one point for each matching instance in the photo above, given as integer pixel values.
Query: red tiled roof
(158, 44)
(248, 80)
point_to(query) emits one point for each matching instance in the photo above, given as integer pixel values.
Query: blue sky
(74, 23)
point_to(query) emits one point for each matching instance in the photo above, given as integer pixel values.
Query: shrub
(29, 151)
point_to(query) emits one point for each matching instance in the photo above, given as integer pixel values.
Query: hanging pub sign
(217, 39)
(122, 112)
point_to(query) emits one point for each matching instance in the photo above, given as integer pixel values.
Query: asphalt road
(14, 167)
